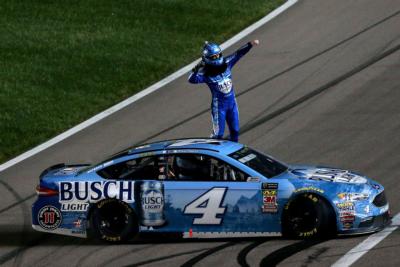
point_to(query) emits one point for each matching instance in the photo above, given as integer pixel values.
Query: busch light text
(152, 203)
(95, 191)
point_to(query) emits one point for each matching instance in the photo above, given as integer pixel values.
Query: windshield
(259, 162)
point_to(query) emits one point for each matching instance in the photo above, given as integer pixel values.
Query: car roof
(220, 146)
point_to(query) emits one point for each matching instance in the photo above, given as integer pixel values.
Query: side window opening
(196, 167)
(135, 169)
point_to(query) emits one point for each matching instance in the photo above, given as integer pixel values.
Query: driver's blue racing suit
(223, 104)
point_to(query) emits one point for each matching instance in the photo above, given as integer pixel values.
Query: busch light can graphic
(152, 203)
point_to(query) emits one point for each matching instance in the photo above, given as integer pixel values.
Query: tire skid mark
(110, 260)
(241, 257)
(311, 258)
(16, 203)
(207, 253)
(25, 227)
(285, 252)
(85, 257)
(165, 258)
(319, 90)
(296, 86)
(15, 252)
(294, 66)
(51, 255)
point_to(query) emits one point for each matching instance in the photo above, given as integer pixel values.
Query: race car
(205, 188)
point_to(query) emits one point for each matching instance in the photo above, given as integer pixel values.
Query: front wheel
(114, 221)
(308, 216)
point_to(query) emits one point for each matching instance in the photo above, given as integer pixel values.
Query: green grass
(61, 62)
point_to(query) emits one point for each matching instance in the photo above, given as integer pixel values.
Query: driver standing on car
(215, 71)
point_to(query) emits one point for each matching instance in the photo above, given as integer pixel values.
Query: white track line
(358, 251)
(143, 93)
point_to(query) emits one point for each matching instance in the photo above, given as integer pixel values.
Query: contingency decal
(79, 226)
(346, 214)
(353, 196)
(208, 205)
(270, 195)
(49, 217)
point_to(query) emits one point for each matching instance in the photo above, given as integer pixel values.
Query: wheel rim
(112, 219)
(303, 216)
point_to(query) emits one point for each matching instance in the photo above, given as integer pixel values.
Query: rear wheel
(308, 216)
(114, 221)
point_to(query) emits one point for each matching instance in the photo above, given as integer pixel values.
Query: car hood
(327, 174)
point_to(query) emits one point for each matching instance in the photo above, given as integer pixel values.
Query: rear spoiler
(59, 166)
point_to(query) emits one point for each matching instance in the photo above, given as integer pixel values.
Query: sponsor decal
(247, 158)
(345, 206)
(353, 196)
(152, 203)
(253, 179)
(106, 164)
(336, 175)
(77, 223)
(74, 206)
(347, 225)
(49, 217)
(347, 218)
(310, 188)
(225, 86)
(185, 151)
(66, 171)
(79, 226)
(186, 142)
(141, 147)
(270, 197)
(74, 192)
(146, 154)
(270, 186)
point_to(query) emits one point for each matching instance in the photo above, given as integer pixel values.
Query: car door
(205, 195)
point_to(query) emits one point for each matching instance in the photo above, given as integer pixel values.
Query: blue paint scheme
(242, 200)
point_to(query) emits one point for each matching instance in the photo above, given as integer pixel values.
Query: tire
(113, 221)
(308, 216)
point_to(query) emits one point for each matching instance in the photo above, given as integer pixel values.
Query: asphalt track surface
(323, 87)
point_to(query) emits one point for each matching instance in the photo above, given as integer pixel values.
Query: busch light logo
(225, 86)
(152, 201)
(95, 191)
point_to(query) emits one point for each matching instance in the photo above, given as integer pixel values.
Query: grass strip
(62, 62)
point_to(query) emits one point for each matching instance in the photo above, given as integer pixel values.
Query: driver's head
(212, 54)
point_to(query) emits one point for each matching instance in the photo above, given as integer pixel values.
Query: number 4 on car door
(208, 205)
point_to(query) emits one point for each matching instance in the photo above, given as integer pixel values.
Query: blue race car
(205, 188)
